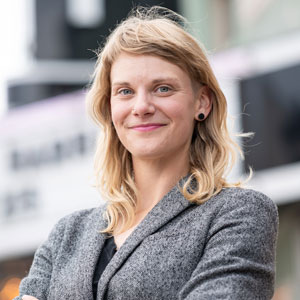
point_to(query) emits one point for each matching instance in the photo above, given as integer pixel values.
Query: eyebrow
(162, 79)
(155, 81)
(120, 83)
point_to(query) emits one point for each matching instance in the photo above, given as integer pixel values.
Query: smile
(147, 127)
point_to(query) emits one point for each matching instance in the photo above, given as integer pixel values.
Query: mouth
(147, 127)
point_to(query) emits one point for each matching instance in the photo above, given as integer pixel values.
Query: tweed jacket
(222, 249)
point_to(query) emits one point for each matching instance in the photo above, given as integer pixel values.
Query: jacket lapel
(169, 207)
(91, 246)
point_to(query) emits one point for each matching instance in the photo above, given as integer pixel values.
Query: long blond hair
(158, 31)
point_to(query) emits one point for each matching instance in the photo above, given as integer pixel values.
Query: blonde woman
(173, 227)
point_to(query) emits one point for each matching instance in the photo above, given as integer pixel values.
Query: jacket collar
(91, 246)
(166, 209)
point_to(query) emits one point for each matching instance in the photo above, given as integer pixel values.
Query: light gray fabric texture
(222, 249)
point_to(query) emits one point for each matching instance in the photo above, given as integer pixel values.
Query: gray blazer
(222, 249)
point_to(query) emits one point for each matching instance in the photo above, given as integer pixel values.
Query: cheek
(118, 113)
(185, 118)
(181, 113)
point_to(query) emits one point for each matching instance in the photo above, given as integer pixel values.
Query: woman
(173, 227)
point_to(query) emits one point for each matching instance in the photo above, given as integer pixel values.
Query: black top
(108, 251)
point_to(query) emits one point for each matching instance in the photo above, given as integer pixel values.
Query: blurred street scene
(47, 140)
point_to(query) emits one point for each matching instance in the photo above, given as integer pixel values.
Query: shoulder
(235, 207)
(73, 225)
(247, 208)
(236, 198)
(79, 217)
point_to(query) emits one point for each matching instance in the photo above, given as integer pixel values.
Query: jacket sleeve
(239, 257)
(38, 280)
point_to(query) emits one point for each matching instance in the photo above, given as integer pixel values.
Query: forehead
(147, 67)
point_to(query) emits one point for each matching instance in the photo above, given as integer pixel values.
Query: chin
(148, 154)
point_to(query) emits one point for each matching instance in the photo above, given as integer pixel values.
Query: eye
(125, 92)
(163, 89)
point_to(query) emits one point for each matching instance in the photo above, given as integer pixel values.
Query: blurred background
(47, 141)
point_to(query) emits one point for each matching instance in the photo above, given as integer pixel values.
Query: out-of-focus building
(47, 141)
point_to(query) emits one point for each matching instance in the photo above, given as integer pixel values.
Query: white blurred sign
(86, 13)
(46, 163)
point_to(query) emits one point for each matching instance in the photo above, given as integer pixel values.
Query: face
(154, 106)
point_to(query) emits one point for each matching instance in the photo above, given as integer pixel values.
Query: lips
(147, 127)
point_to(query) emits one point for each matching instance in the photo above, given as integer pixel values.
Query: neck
(155, 178)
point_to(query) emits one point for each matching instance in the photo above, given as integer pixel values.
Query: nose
(143, 104)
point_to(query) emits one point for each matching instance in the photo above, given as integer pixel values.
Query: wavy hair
(161, 32)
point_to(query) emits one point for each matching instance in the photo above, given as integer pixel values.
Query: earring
(201, 116)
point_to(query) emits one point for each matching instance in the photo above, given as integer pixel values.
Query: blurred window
(271, 109)
(221, 24)
(72, 29)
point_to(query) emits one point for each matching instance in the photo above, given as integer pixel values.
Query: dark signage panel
(271, 109)
(58, 38)
(24, 93)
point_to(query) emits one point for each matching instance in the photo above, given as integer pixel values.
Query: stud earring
(201, 116)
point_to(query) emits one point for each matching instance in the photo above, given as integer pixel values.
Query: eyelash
(124, 90)
(164, 87)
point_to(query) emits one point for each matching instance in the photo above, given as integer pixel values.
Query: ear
(203, 102)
